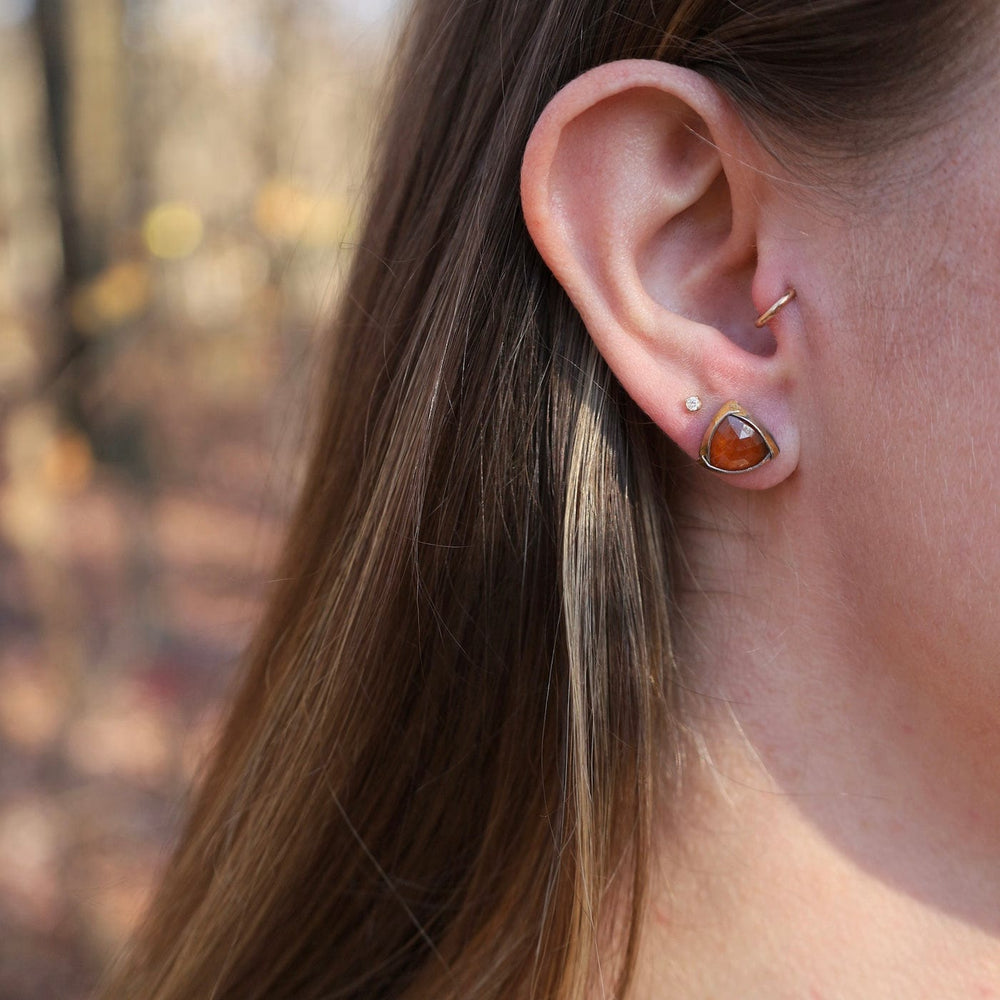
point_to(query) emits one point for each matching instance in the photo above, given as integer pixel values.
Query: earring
(768, 314)
(735, 442)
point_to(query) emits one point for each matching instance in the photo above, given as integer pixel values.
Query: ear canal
(734, 442)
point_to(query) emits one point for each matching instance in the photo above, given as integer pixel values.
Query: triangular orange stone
(737, 445)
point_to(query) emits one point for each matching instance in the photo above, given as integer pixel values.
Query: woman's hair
(437, 778)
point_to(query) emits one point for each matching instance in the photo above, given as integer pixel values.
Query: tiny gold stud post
(692, 404)
(768, 314)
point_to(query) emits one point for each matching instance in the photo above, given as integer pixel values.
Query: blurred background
(179, 180)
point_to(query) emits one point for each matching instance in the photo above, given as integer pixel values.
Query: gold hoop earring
(735, 442)
(768, 314)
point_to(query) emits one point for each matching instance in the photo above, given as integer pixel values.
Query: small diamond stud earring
(692, 404)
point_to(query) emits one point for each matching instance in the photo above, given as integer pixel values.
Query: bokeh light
(173, 230)
(175, 218)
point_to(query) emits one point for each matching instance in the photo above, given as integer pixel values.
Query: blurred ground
(178, 182)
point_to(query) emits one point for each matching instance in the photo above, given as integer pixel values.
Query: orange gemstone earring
(735, 442)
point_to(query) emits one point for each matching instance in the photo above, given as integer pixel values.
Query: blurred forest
(178, 184)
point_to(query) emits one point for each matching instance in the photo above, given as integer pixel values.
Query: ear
(642, 190)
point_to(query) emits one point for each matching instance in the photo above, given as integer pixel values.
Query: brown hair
(437, 778)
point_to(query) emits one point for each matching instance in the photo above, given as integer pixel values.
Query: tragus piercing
(734, 442)
(692, 404)
(768, 314)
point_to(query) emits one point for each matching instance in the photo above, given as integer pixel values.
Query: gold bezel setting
(734, 409)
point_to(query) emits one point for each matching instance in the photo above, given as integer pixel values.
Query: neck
(836, 828)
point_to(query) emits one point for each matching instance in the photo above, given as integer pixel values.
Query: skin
(837, 833)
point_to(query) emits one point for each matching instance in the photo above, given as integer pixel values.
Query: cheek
(906, 417)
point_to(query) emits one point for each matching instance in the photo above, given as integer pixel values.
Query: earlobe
(640, 191)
